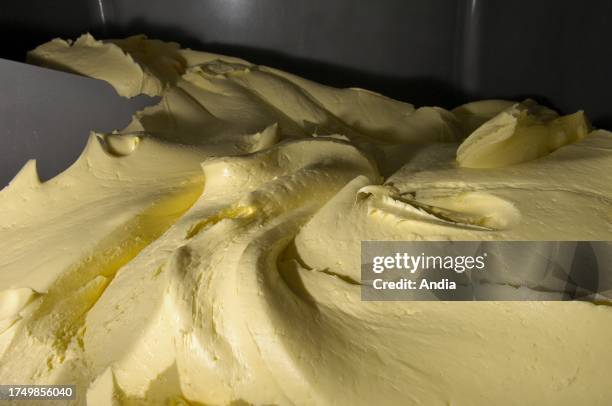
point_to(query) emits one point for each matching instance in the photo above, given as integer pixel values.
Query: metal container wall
(441, 52)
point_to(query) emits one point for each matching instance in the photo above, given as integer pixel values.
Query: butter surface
(209, 252)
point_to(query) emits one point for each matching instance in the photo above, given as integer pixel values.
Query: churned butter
(209, 252)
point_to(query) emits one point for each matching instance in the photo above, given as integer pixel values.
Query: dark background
(442, 52)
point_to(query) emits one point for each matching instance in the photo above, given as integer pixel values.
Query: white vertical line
(102, 16)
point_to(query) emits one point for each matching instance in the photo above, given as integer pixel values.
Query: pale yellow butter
(209, 252)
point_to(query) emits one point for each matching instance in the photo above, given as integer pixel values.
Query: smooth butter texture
(209, 254)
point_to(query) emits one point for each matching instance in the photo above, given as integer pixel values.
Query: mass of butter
(520, 133)
(208, 254)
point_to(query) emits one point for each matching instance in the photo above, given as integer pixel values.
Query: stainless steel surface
(47, 115)
(440, 52)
